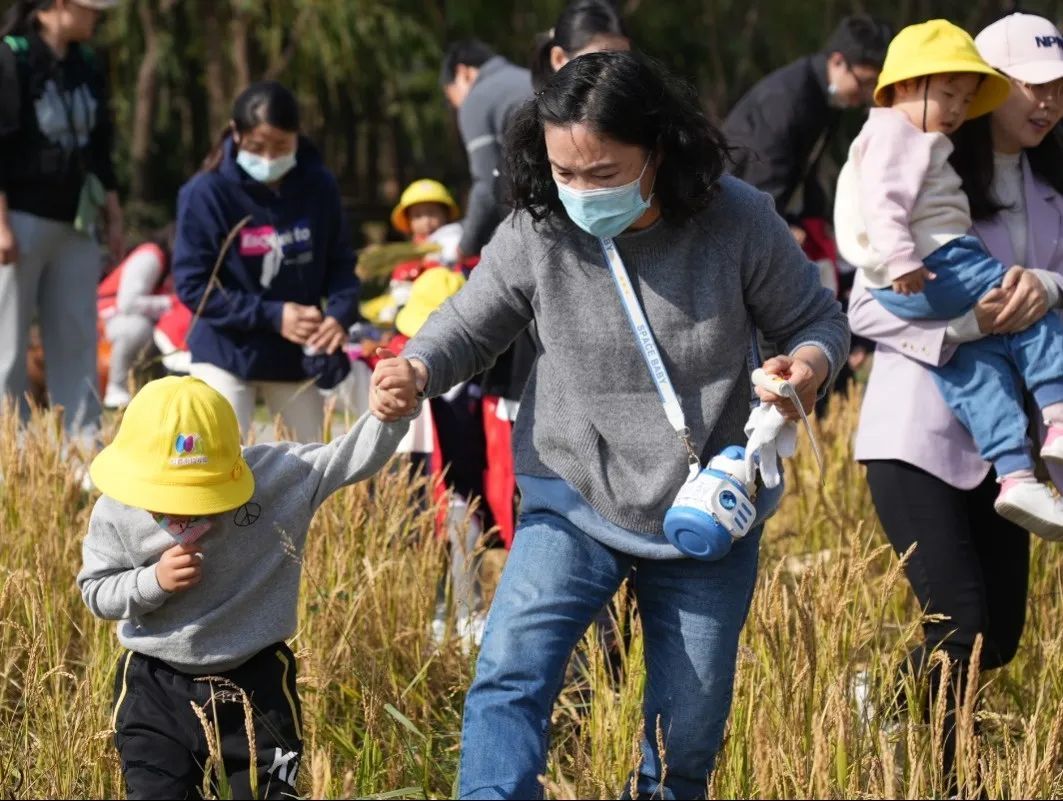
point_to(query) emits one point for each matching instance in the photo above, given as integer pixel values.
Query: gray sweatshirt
(500, 89)
(252, 557)
(591, 413)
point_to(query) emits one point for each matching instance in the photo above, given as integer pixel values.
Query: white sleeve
(141, 273)
(1050, 280)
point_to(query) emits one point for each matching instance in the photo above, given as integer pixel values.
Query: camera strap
(673, 410)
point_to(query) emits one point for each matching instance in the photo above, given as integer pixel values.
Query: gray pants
(463, 532)
(55, 282)
(129, 335)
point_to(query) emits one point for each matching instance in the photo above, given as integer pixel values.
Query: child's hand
(913, 282)
(179, 568)
(396, 386)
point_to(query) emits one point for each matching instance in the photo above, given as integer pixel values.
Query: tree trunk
(280, 63)
(372, 156)
(241, 63)
(218, 94)
(144, 110)
(400, 156)
(353, 140)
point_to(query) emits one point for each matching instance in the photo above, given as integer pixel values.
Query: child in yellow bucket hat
(194, 547)
(901, 217)
(423, 208)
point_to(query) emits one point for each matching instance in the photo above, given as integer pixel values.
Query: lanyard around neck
(673, 410)
(659, 373)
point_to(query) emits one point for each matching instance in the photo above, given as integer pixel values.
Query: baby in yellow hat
(194, 548)
(901, 217)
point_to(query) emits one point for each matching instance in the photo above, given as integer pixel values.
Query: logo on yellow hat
(189, 449)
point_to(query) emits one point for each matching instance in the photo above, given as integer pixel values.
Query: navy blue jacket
(296, 248)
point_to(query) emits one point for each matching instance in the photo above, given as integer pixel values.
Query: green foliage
(366, 71)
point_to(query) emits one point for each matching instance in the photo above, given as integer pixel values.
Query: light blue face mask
(263, 170)
(606, 212)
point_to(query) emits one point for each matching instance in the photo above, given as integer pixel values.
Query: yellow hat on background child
(936, 47)
(424, 191)
(427, 294)
(177, 451)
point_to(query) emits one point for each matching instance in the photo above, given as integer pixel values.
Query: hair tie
(551, 34)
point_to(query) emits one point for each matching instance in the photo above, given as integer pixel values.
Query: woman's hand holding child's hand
(179, 568)
(396, 386)
(912, 283)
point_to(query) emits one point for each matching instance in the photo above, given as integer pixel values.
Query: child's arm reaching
(113, 588)
(357, 455)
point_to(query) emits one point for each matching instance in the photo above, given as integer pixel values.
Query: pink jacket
(904, 416)
(898, 198)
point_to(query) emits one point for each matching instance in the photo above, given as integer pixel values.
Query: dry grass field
(383, 704)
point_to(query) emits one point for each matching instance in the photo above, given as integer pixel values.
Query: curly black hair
(631, 99)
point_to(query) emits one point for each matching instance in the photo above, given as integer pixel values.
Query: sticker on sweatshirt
(189, 450)
(289, 246)
(184, 530)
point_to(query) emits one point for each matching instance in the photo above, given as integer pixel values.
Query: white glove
(771, 436)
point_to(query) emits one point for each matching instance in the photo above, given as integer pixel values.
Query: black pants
(163, 746)
(970, 565)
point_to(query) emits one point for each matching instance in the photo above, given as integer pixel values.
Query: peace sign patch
(247, 515)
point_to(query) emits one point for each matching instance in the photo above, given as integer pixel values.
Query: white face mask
(606, 212)
(263, 170)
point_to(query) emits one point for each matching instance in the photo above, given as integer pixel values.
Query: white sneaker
(1032, 506)
(868, 711)
(470, 631)
(79, 471)
(1052, 450)
(439, 631)
(179, 362)
(116, 397)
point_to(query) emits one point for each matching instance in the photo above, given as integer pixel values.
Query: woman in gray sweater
(612, 148)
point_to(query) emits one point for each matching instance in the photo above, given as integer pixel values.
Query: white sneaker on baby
(1033, 506)
(1052, 450)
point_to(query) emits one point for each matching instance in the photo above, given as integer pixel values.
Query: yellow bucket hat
(427, 294)
(424, 191)
(936, 47)
(176, 452)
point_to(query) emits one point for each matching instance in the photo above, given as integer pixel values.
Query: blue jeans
(965, 272)
(556, 580)
(983, 382)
